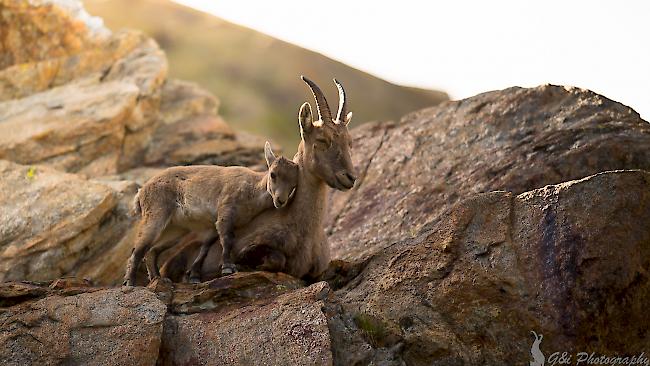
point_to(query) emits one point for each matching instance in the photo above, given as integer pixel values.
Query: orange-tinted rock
(52, 223)
(34, 31)
(78, 127)
(104, 327)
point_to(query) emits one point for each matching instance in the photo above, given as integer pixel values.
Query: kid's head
(282, 177)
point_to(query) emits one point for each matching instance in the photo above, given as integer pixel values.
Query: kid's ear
(305, 119)
(268, 154)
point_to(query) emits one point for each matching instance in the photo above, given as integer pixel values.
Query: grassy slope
(254, 75)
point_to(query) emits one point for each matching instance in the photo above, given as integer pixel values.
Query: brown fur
(202, 199)
(292, 240)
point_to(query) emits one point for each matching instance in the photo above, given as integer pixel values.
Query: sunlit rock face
(87, 115)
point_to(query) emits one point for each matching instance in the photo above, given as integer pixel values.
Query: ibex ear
(348, 118)
(268, 154)
(305, 119)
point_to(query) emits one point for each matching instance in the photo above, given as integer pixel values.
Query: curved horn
(343, 103)
(321, 104)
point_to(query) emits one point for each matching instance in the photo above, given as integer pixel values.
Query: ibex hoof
(195, 280)
(228, 269)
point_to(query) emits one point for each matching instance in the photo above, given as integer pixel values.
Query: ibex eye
(273, 176)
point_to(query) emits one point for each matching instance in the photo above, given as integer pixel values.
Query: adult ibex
(210, 200)
(292, 240)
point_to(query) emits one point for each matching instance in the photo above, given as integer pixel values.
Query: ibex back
(209, 200)
(292, 240)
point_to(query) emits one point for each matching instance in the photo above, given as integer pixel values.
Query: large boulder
(290, 329)
(247, 318)
(54, 224)
(85, 100)
(514, 139)
(108, 88)
(94, 327)
(568, 261)
(78, 127)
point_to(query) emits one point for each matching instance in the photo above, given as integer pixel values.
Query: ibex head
(282, 177)
(327, 141)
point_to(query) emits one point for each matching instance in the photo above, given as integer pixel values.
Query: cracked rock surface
(569, 261)
(248, 318)
(514, 139)
(99, 327)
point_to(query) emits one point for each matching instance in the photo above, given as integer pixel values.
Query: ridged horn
(323, 109)
(343, 103)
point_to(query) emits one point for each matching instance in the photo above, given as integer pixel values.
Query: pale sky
(469, 47)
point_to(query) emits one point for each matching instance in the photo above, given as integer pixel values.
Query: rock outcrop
(247, 318)
(569, 261)
(108, 107)
(53, 223)
(77, 98)
(290, 328)
(80, 326)
(514, 139)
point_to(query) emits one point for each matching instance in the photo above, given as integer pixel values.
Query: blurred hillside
(255, 75)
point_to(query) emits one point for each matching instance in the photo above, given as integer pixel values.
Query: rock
(36, 30)
(514, 139)
(52, 223)
(289, 330)
(12, 293)
(105, 103)
(99, 103)
(106, 266)
(568, 261)
(94, 61)
(258, 317)
(190, 131)
(78, 127)
(102, 327)
(90, 112)
(107, 85)
(230, 291)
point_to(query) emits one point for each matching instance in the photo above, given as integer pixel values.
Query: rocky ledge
(568, 261)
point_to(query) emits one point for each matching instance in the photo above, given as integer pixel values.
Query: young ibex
(292, 240)
(200, 199)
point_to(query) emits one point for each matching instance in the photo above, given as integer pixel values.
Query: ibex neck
(311, 195)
